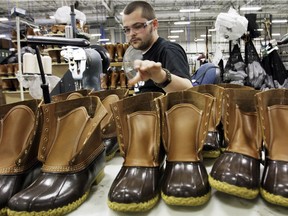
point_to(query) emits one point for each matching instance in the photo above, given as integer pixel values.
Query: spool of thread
(47, 64)
(68, 31)
(28, 63)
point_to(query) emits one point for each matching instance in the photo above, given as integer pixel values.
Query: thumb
(135, 79)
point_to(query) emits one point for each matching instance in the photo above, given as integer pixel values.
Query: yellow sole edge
(233, 190)
(3, 212)
(61, 210)
(211, 154)
(133, 207)
(274, 199)
(186, 201)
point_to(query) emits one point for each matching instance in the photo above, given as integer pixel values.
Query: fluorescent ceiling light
(193, 10)
(205, 35)
(258, 39)
(250, 8)
(173, 36)
(3, 19)
(103, 40)
(182, 23)
(280, 21)
(96, 35)
(275, 34)
(200, 39)
(211, 30)
(2, 35)
(51, 17)
(177, 31)
(260, 29)
(173, 40)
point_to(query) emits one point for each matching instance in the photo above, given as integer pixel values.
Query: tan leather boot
(136, 186)
(211, 148)
(185, 117)
(10, 70)
(273, 112)
(123, 79)
(119, 52)
(237, 170)
(223, 143)
(19, 141)
(108, 126)
(114, 79)
(104, 81)
(3, 70)
(73, 159)
(111, 50)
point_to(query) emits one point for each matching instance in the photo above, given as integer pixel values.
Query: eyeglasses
(137, 27)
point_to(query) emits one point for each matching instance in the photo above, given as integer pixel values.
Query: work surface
(220, 204)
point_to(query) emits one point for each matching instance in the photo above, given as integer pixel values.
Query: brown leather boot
(111, 50)
(10, 70)
(73, 159)
(123, 79)
(114, 79)
(185, 117)
(237, 170)
(104, 81)
(119, 51)
(108, 126)
(223, 143)
(136, 186)
(211, 148)
(3, 70)
(273, 112)
(20, 136)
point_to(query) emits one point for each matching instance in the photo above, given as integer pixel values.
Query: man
(164, 67)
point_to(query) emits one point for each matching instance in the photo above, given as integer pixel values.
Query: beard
(141, 44)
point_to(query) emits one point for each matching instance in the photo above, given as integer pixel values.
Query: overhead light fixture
(182, 23)
(275, 34)
(173, 40)
(193, 10)
(211, 30)
(279, 21)
(96, 35)
(173, 36)
(2, 35)
(205, 35)
(103, 40)
(259, 39)
(52, 17)
(177, 31)
(260, 29)
(3, 19)
(199, 39)
(250, 8)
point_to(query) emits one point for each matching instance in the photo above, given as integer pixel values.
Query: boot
(273, 112)
(104, 81)
(122, 79)
(136, 186)
(222, 141)
(185, 117)
(73, 159)
(19, 141)
(111, 50)
(3, 70)
(114, 79)
(119, 51)
(10, 70)
(211, 148)
(108, 126)
(237, 170)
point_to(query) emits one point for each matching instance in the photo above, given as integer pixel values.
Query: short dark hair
(147, 10)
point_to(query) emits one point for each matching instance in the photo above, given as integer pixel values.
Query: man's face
(138, 30)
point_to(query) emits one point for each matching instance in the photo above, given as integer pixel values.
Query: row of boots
(161, 138)
(114, 79)
(116, 51)
(52, 154)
